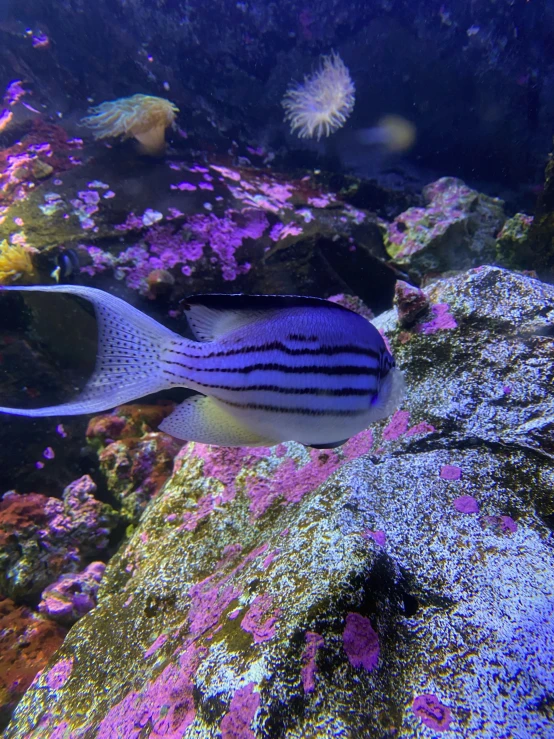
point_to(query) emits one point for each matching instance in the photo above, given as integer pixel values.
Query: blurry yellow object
(399, 133)
(15, 264)
(393, 132)
(143, 117)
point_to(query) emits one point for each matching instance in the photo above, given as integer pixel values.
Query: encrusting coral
(143, 117)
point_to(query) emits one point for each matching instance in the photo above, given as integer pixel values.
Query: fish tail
(129, 363)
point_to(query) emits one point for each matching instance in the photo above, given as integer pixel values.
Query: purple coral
(441, 321)
(314, 642)
(466, 504)
(257, 621)
(450, 472)
(244, 704)
(58, 675)
(432, 712)
(73, 595)
(397, 426)
(165, 704)
(361, 642)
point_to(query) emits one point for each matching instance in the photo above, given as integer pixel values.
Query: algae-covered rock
(454, 231)
(392, 587)
(42, 538)
(537, 251)
(513, 246)
(135, 459)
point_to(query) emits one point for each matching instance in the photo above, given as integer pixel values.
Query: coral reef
(42, 538)
(395, 585)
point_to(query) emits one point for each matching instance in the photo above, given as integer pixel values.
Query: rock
(410, 303)
(513, 247)
(135, 459)
(357, 591)
(537, 250)
(454, 231)
(27, 642)
(72, 595)
(42, 538)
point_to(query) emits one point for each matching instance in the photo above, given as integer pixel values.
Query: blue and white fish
(268, 368)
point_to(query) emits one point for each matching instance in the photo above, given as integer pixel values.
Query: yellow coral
(15, 264)
(143, 117)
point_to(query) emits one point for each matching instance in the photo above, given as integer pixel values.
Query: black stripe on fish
(326, 351)
(328, 392)
(286, 409)
(273, 366)
(301, 337)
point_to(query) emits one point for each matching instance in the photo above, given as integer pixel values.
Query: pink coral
(314, 642)
(432, 712)
(244, 704)
(257, 620)
(361, 642)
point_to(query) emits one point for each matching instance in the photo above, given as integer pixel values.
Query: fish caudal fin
(129, 360)
(202, 419)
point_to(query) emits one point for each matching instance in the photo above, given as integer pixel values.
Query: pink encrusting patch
(442, 320)
(291, 481)
(165, 704)
(237, 723)
(58, 675)
(361, 642)
(466, 504)
(257, 621)
(209, 601)
(450, 472)
(432, 712)
(314, 642)
(420, 428)
(397, 426)
(379, 537)
(159, 642)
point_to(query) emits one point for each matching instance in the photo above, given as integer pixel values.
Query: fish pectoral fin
(330, 445)
(202, 419)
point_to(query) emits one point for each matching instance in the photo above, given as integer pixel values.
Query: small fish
(67, 265)
(268, 368)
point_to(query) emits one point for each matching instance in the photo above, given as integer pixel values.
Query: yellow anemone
(143, 117)
(15, 264)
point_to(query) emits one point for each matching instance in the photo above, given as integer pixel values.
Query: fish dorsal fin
(212, 316)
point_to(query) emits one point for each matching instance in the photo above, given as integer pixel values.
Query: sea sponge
(143, 117)
(321, 105)
(15, 264)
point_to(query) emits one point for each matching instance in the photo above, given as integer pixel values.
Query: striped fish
(266, 369)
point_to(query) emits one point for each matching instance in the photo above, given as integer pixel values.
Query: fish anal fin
(202, 419)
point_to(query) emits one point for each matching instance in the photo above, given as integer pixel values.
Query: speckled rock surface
(455, 230)
(393, 587)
